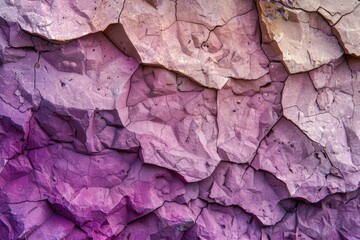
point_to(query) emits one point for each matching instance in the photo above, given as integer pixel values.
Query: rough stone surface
(328, 115)
(175, 126)
(233, 184)
(154, 119)
(333, 218)
(332, 11)
(208, 49)
(301, 164)
(61, 20)
(301, 40)
(347, 30)
(246, 113)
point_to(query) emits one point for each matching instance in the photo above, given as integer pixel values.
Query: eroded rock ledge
(165, 119)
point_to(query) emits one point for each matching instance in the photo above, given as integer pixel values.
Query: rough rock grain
(328, 115)
(206, 52)
(301, 164)
(348, 32)
(61, 20)
(246, 113)
(332, 11)
(154, 119)
(301, 40)
(175, 126)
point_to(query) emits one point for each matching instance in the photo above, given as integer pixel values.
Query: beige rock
(301, 40)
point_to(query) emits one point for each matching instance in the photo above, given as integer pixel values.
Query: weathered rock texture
(301, 40)
(165, 119)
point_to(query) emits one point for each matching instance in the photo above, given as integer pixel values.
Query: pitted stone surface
(176, 128)
(61, 20)
(301, 164)
(328, 115)
(246, 113)
(347, 30)
(208, 51)
(332, 11)
(301, 40)
(163, 119)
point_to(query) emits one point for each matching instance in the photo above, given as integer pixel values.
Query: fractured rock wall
(166, 119)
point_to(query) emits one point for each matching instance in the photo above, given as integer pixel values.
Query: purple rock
(176, 120)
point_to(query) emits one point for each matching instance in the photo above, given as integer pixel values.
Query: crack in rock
(166, 119)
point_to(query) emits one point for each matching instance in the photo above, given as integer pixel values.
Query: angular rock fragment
(54, 226)
(300, 163)
(332, 11)
(343, 16)
(329, 114)
(17, 93)
(61, 20)
(246, 113)
(211, 13)
(90, 73)
(17, 174)
(176, 128)
(12, 139)
(336, 217)
(218, 222)
(301, 40)
(348, 32)
(206, 52)
(23, 218)
(114, 187)
(170, 221)
(258, 193)
(21, 210)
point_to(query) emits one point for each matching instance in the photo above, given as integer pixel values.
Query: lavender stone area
(179, 119)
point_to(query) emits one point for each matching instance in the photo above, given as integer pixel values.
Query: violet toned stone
(61, 20)
(176, 128)
(165, 119)
(246, 113)
(329, 115)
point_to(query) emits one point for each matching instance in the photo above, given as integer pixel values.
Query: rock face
(207, 42)
(301, 40)
(330, 10)
(154, 119)
(174, 121)
(328, 115)
(59, 20)
(347, 30)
